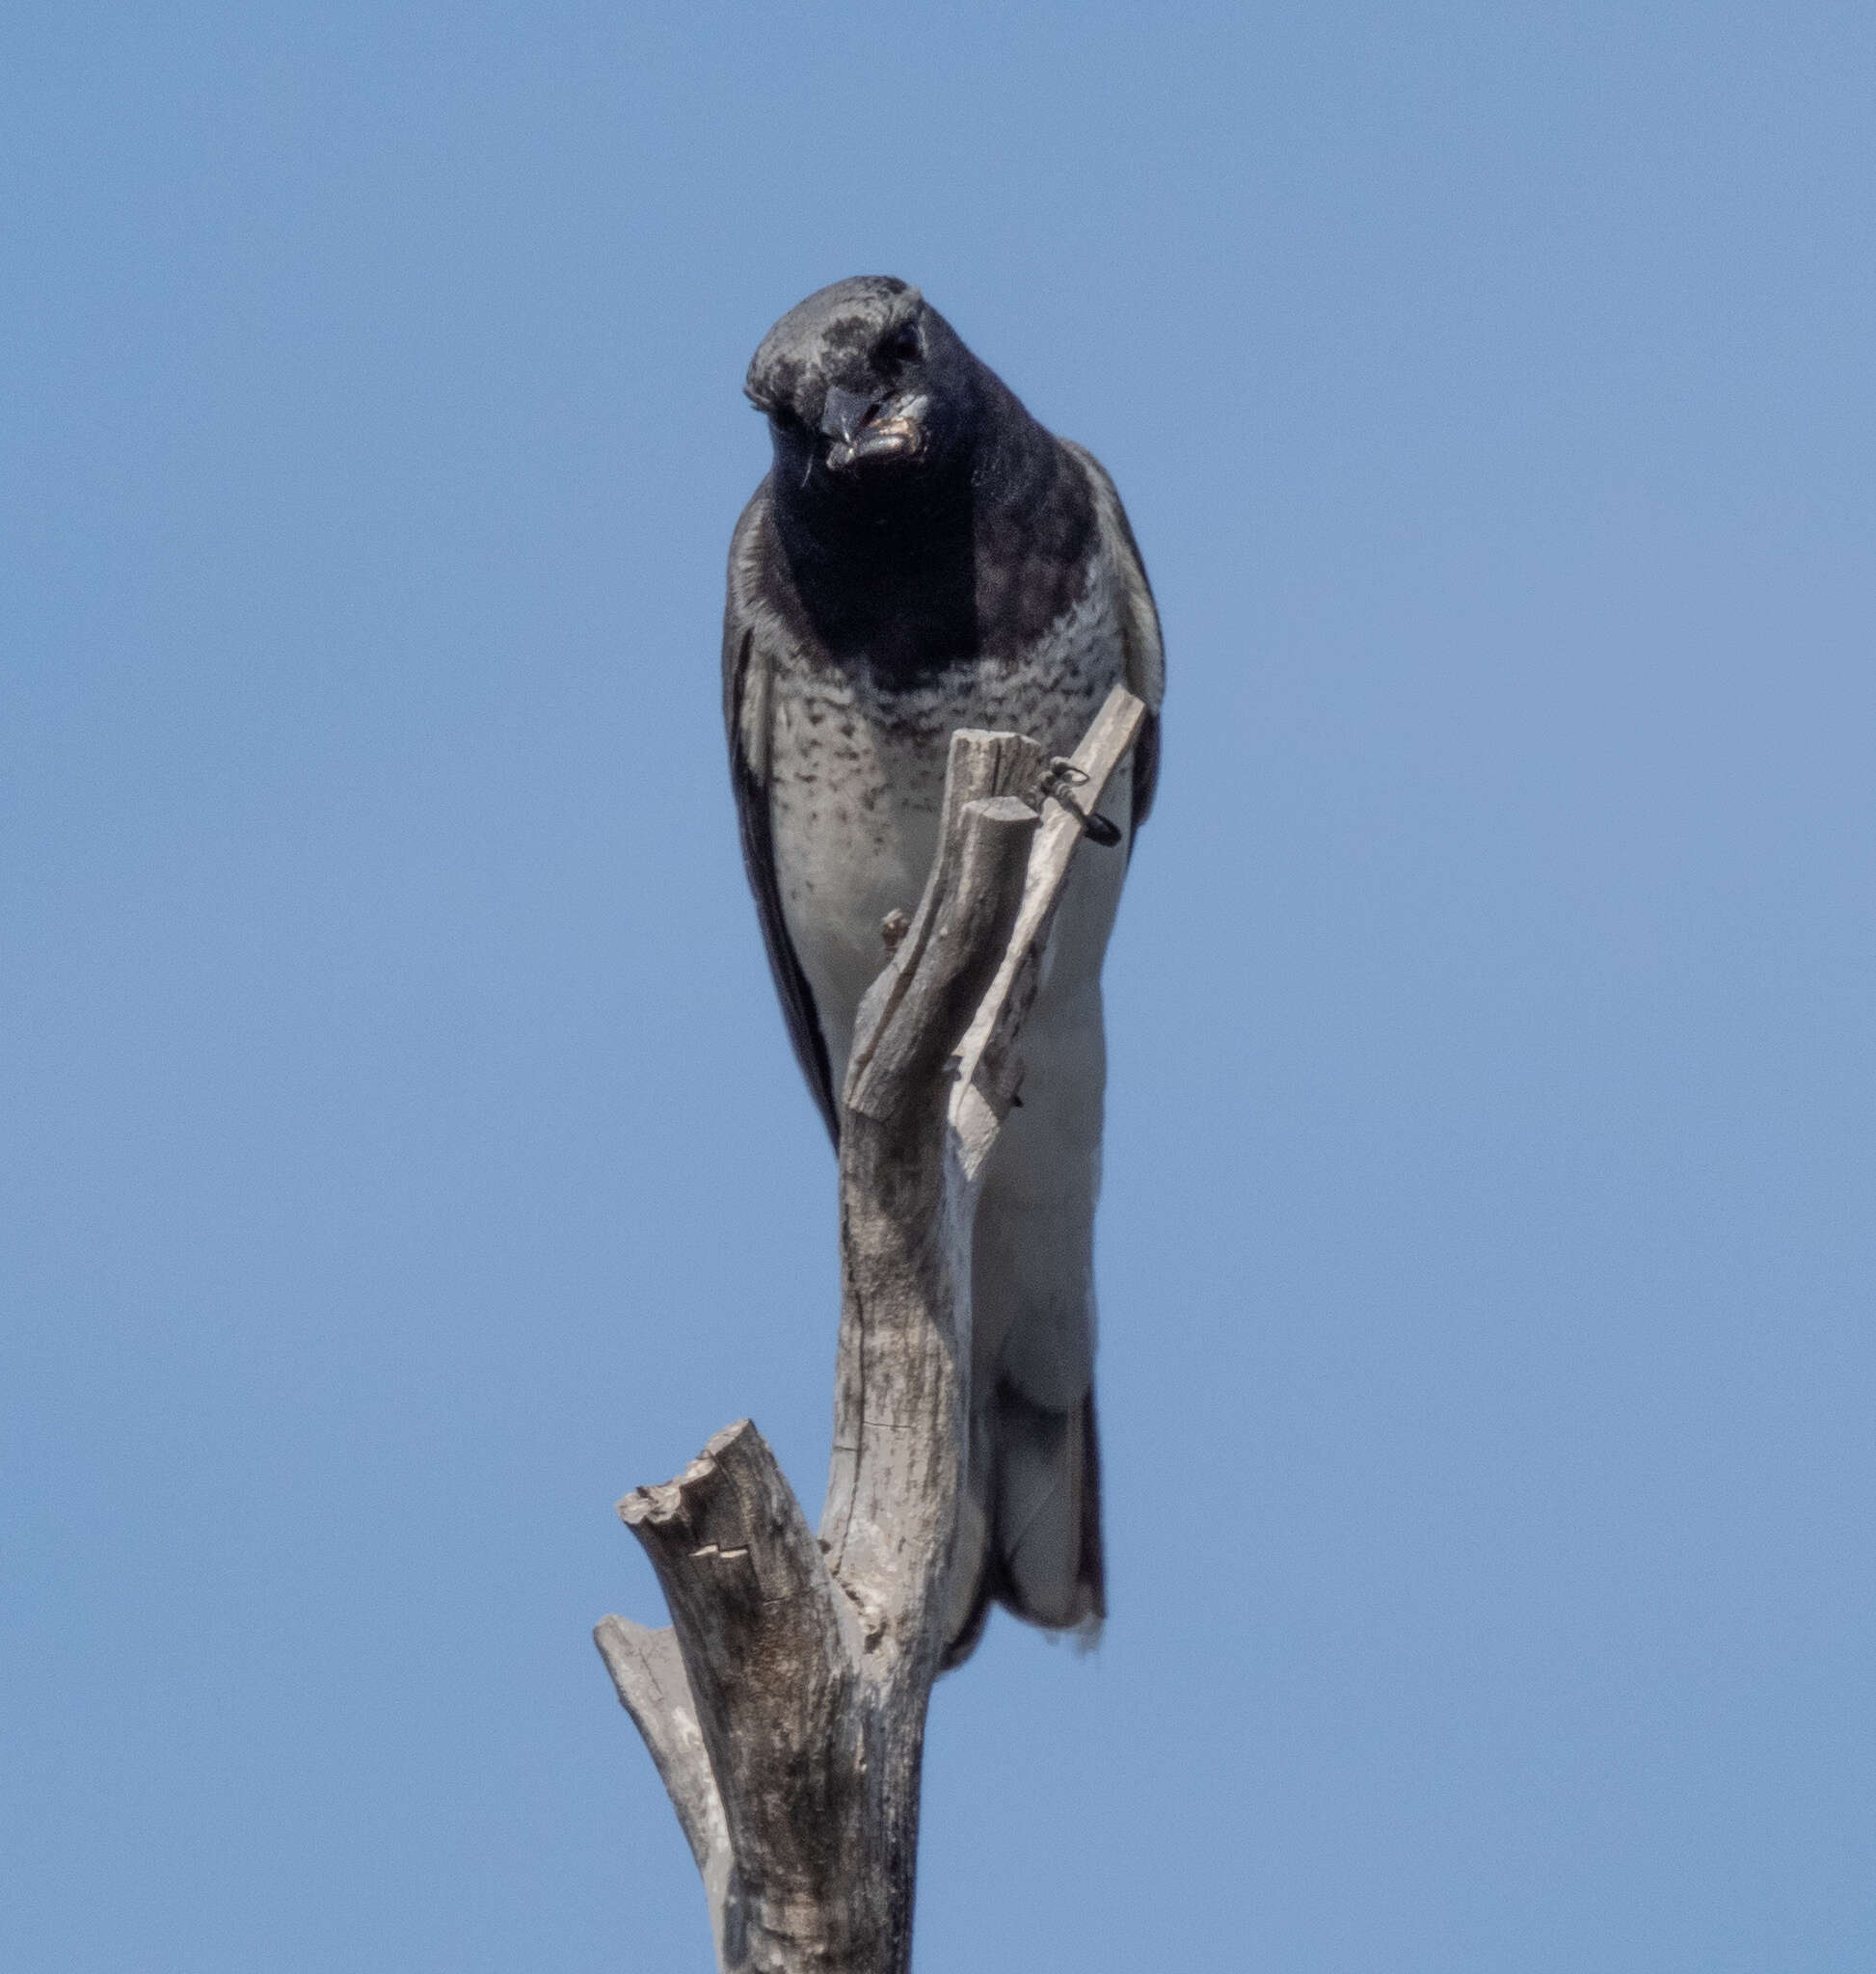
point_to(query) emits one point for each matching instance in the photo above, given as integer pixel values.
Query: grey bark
(785, 1706)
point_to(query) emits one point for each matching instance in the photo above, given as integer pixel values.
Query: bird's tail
(1030, 1535)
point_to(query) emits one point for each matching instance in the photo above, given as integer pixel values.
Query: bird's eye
(903, 346)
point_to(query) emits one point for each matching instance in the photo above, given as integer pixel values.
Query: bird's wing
(1139, 624)
(751, 629)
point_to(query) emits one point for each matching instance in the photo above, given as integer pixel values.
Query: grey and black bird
(923, 556)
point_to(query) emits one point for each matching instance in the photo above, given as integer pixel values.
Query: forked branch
(785, 1707)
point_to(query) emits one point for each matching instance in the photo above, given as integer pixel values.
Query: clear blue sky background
(402, 1156)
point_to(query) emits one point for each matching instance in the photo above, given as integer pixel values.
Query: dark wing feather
(1146, 771)
(1140, 621)
(745, 716)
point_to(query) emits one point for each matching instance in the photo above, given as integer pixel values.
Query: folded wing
(751, 630)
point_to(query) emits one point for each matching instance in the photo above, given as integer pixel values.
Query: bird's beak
(844, 412)
(869, 431)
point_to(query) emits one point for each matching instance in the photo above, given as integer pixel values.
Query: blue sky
(402, 1157)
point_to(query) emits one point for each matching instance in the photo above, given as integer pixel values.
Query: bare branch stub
(648, 1675)
(786, 1706)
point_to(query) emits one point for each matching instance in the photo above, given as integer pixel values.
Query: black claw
(1058, 779)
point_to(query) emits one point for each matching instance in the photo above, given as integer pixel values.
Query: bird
(921, 556)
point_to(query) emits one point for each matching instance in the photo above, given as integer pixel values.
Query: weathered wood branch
(785, 1707)
(990, 1071)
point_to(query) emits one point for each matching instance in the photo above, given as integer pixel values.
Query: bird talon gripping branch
(1059, 778)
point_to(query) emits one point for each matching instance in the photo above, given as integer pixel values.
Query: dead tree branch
(785, 1706)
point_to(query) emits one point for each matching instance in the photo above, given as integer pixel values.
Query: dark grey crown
(827, 341)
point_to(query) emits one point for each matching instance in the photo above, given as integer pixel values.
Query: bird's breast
(857, 778)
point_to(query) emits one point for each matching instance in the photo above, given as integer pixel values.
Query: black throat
(886, 573)
(969, 559)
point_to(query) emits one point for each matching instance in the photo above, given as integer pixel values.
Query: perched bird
(924, 556)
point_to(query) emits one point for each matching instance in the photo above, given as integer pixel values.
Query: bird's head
(863, 385)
